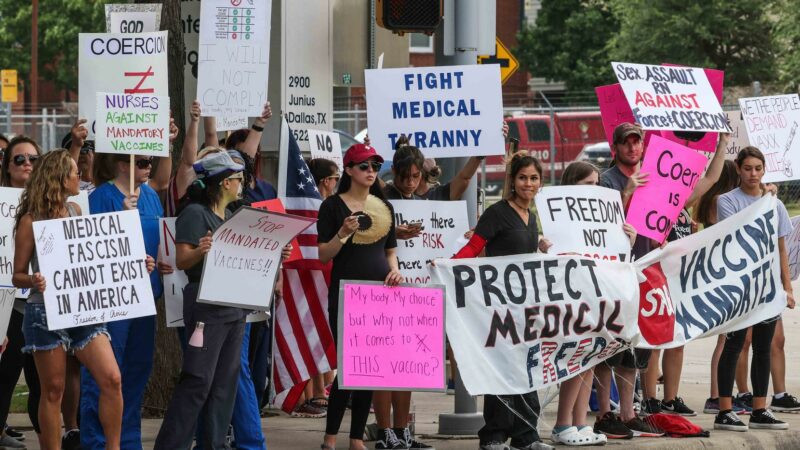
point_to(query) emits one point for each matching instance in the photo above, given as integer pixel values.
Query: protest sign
(245, 256)
(722, 279)
(133, 18)
(391, 338)
(120, 63)
(524, 322)
(445, 111)
(771, 124)
(699, 140)
(442, 224)
(673, 173)
(233, 57)
(95, 269)
(173, 282)
(738, 138)
(7, 297)
(9, 201)
(670, 97)
(584, 219)
(793, 248)
(326, 145)
(276, 205)
(132, 124)
(231, 123)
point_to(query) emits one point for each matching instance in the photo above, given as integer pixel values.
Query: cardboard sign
(175, 281)
(326, 145)
(771, 124)
(738, 138)
(670, 97)
(95, 269)
(244, 261)
(233, 59)
(793, 248)
(231, 123)
(9, 201)
(132, 124)
(443, 223)
(120, 63)
(586, 220)
(391, 338)
(673, 173)
(445, 111)
(133, 18)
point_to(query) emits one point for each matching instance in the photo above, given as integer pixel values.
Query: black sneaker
(612, 427)
(640, 428)
(651, 406)
(763, 419)
(728, 420)
(677, 407)
(71, 440)
(745, 399)
(389, 440)
(14, 433)
(786, 403)
(404, 434)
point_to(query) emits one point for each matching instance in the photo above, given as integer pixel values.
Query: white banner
(670, 97)
(132, 124)
(241, 268)
(584, 219)
(233, 59)
(445, 111)
(722, 279)
(443, 223)
(326, 145)
(120, 63)
(771, 124)
(95, 269)
(520, 323)
(175, 281)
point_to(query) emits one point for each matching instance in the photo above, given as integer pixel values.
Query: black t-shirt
(363, 257)
(682, 227)
(613, 178)
(438, 192)
(392, 193)
(505, 232)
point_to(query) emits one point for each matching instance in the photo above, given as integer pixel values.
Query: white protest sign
(793, 248)
(771, 124)
(173, 282)
(9, 201)
(738, 138)
(95, 269)
(241, 268)
(133, 18)
(233, 58)
(442, 224)
(584, 219)
(120, 63)
(7, 297)
(445, 111)
(523, 322)
(722, 279)
(231, 123)
(326, 145)
(132, 124)
(670, 97)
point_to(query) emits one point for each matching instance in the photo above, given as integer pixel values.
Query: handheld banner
(95, 269)
(524, 322)
(132, 124)
(670, 97)
(391, 338)
(244, 261)
(233, 57)
(673, 173)
(120, 63)
(722, 279)
(442, 224)
(587, 220)
(173, 282)
(772, 124)
(445, 111)
(326, 145)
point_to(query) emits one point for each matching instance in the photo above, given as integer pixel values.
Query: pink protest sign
(673, 171)
(391, 338)
(709, 142)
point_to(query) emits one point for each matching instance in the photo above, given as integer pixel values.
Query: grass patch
(19, 402)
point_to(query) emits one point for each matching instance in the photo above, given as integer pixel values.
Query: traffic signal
(409, 16)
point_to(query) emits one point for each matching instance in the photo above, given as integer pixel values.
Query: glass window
(538, 130)
(420, 43)
(513, 130)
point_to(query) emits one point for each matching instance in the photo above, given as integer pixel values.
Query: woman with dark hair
(326, 176)
(508, 227)
(750, 164)
(355, 230)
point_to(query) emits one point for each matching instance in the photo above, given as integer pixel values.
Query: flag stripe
(318, 305)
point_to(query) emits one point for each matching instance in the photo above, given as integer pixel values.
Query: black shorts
(630, 359)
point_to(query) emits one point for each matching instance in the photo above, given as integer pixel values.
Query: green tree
(568, 43)
(787, 39)
(731, 35)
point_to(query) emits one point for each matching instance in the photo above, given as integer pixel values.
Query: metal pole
(43, 135)
(372, 24)
(552, 140)
(8, 118)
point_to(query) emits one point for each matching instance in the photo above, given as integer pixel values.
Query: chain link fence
(47, 126)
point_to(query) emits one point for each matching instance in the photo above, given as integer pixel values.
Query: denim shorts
(39, 338)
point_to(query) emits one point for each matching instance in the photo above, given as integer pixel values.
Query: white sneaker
(572, 437)
(597, 438)
(7, 442)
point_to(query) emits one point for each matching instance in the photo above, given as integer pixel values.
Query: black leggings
(759, 369)
(11, 363)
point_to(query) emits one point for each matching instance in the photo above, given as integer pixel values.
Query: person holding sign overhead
(54, 180)
(356, 231)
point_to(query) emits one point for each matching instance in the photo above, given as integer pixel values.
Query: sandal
(571, 436)
(597, 438)
(319, 402)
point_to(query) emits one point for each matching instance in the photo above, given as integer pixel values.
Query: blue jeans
(133, 342)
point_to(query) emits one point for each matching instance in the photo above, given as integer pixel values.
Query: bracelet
(337, 235)
(257, 128)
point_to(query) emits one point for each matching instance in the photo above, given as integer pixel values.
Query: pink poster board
(673, 171)
(391, 338)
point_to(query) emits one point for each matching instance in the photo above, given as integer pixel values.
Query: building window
(420, 43)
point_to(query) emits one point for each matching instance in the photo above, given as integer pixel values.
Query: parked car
(598, 154)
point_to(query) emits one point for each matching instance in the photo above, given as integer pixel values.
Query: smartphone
(416, 225)
(513, 145)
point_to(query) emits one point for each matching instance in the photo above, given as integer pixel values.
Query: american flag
(303, 344)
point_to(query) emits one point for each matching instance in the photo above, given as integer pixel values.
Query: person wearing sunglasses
(82, 151)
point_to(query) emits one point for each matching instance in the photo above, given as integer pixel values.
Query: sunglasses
(238, 176)
(20, 159)
(144, 163)
(364, 166)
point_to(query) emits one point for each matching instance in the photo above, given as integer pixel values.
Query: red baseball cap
(358, 153)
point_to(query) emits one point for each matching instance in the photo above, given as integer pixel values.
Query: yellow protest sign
(508, 64)
(9, 88)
